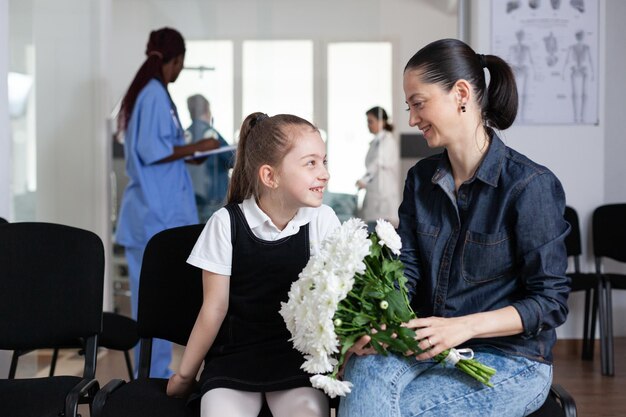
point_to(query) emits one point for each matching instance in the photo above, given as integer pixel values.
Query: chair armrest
(85, 388)
(102, 396)
(567, 401)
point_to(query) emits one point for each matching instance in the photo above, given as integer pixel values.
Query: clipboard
(221, 149)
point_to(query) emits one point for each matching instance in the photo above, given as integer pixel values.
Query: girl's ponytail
(263, 140)
(240, 186)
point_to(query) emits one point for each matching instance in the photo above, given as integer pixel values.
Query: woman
(159, 194)
(382, 163)
(483, 235)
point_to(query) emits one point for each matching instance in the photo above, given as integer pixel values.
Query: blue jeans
(161, 349)
(399, 386)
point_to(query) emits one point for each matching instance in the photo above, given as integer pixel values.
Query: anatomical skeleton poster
(552, 47)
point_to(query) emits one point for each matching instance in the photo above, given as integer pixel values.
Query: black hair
(163, 45)
(446, 61)
(380, 114)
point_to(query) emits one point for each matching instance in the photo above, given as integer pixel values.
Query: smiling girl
(250, 252)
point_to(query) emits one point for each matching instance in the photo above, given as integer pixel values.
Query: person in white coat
(382, 178)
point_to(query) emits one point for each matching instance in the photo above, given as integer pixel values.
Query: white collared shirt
(214, 250)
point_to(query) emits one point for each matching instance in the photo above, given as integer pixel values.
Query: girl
(250, 252)
(483, 236)
(159, 194)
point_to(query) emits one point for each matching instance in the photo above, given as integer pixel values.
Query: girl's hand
(437, 334)
(359, 348)
(179, 387)
(362, 347)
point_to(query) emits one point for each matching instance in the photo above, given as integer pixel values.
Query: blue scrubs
(158, 196)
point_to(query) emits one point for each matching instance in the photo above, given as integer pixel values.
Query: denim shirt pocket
(426, 237)
(487, 257)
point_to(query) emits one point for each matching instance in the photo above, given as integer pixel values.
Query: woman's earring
(463, 108)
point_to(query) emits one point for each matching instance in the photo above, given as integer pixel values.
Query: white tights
(297, 402)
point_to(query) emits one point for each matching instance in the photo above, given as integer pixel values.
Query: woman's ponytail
(501, 101)
(446, 61)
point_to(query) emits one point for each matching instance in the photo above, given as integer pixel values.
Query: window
(359, 78)
(208, 71)
(277, 77)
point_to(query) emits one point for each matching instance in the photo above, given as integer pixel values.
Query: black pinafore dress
(252, 351)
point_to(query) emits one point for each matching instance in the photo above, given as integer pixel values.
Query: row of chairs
(47, 305)
(609, 242)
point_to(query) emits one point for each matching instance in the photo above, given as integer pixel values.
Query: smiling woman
(483, 247)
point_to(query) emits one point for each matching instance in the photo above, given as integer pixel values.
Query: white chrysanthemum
(318, 364)
(331, 386)
(326, 279)
(387, 236)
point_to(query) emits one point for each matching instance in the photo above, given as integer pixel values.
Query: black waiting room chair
(51, 287)
(170, 296)
(118, 333)
(580, 281)
(609, 242)
(558, 404)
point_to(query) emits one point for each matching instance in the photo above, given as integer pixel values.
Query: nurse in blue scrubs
(159, 194)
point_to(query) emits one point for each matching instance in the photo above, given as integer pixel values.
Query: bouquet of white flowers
(353, 285)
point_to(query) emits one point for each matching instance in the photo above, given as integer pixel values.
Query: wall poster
(552, 46)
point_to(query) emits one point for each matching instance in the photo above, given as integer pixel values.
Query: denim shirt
(499, 241)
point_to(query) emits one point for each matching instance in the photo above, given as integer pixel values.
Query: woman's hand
(179, 387)
(360, 184)
(437, 334)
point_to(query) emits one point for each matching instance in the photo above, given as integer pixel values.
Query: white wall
(5, 142)
(5, 149)
(70, 38)
(615, 131)
(615, 122)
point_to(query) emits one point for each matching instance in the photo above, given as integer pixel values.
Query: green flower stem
(348, 330)
(343, 308)
(480, 372)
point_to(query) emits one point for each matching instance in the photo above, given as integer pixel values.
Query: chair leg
(53, 362)
(602, 320)
(610, 369)
(606, 325)
(13, 368)
(594, 318)
(587, 338)
(129, 366)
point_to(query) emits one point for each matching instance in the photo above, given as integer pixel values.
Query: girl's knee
(298, 402)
